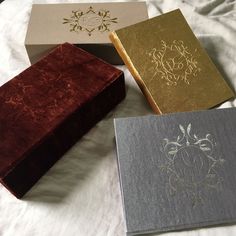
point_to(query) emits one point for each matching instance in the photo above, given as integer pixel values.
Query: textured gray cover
(177, 171)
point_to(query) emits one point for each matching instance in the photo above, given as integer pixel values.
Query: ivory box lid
(83, 24)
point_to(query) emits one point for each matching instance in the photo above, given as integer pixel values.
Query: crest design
(174, 62)
(90, 21)
(191, 165)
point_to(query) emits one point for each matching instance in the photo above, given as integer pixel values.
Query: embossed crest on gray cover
(177, 171)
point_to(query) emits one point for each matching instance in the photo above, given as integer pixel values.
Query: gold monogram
(90, 21)
(174, 62)
(191, 164)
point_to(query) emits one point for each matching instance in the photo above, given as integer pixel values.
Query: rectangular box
(177, 171)
(169, 64)
(84, 24)
(48, 107)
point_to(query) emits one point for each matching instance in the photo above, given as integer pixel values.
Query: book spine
(125, 57)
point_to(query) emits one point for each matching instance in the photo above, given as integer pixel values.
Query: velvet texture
(48, 107)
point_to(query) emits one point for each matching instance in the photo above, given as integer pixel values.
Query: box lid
(41, 97)
(81, 23)
(174, 72)
(177, 171)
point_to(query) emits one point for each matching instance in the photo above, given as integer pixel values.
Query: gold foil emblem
(191, 164)
(174, 62)
(90, 20)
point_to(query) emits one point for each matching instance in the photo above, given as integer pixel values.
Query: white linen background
(80, 195)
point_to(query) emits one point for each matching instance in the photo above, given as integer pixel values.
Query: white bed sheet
(80, 195)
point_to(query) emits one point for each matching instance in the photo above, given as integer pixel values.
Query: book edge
(123, 54)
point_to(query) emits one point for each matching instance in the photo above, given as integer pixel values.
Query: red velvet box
(48, 107)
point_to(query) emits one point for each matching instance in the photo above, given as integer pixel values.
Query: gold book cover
(169, 64)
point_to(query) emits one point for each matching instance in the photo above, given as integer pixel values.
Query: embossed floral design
(174, 62)
(90, 20)
(191, 165)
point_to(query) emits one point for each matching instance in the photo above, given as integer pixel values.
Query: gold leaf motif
(90, 20)
(191, 165)
(174, 62)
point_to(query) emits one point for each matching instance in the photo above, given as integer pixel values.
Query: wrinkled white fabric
(80, 195)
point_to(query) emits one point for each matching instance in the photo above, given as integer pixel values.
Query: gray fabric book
(177, 171)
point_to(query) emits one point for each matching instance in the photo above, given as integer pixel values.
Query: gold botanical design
(174, 62)
(191, 165)
(90, 20)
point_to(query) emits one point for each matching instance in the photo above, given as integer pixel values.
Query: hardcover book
(177, 171)
(169, 64)
(48, 107)
(86, 25)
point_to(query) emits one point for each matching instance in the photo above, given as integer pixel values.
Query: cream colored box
(86, 25)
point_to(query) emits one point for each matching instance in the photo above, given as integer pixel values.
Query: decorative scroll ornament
(90, 20)
(174, 63)
(191, 165)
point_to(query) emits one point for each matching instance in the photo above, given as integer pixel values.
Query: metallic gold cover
(169, 64)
